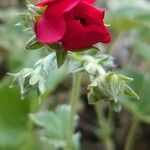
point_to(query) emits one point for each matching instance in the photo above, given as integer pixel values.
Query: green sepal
(61, 57)
(34, 9)
(24, 20)
(92, 48)
(33, 44)
(129, 92)
(61, 54)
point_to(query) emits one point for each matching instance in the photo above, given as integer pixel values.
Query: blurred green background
(130, 28)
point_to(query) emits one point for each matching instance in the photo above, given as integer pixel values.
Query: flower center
(82, 20)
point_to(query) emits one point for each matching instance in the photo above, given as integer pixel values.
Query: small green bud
(110, 87)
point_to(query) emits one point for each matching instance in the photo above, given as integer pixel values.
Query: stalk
(132, 134)
(106, 139)
(74, 101)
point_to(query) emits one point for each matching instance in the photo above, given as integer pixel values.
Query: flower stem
(132, 134)
(105, 131)
(74, 101)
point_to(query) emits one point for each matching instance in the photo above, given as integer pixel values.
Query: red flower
(75, 24)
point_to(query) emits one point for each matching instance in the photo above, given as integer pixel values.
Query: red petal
(50, 30)
(51, 26)
(63, 6)
(74, 36)
(89, 1)
(86, 10)
(77, 36)
(59, 5)
(44, 2)
(97, 34)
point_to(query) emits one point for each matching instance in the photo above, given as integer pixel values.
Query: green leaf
(33, 44)
(54, 125)
(13, 116)
(15, 132)
(141, 86)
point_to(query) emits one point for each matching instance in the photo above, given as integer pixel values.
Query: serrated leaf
(33, 44)
(54, 125)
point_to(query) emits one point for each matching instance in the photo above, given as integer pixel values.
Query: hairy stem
(74, 101)
(132, 134)
(105, 132)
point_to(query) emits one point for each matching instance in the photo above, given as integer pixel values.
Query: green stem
(106, 137)
(74, 101)
(110, 118)
(132, 134)
(100, 115)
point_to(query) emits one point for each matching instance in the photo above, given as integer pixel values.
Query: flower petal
(89, 1)
(87, 10)
(87, 31)
(78, 37)
(63, 6)
(74, 36)
(44, 2)
(51, 26)
(97, 34)
(49, 31)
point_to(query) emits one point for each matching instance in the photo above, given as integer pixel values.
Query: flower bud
(110, 87)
